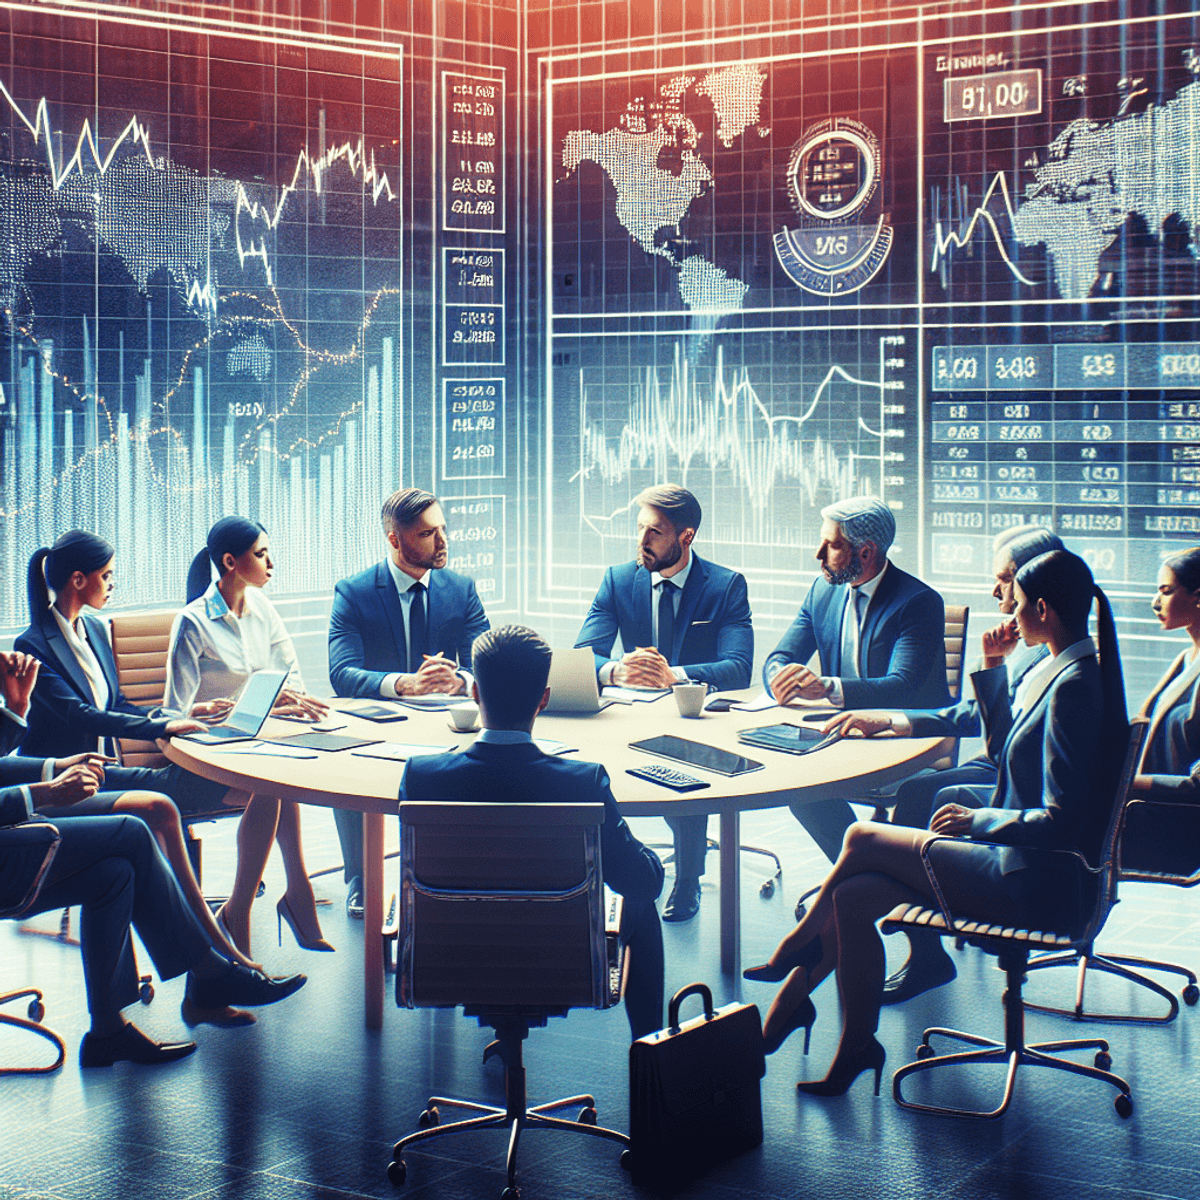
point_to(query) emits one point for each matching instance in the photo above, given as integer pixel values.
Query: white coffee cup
(690, 698)
(465, 716)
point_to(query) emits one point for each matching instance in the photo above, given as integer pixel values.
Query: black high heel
(846, 1069)
(802, 1018)
(807, 957)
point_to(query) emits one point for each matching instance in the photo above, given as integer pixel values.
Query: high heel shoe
(802, 1017)
(846, 1069)
(807, 957)
(283, 911)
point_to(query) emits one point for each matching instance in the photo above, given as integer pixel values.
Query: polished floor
(306, 1104)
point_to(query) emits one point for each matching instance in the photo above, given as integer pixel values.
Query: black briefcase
(695, 1095)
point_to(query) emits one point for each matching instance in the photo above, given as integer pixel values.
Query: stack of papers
(625, 695)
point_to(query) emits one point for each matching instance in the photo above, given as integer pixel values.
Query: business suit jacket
(366, 626)
(714, 639)
(1051, 789)
(522, 773)
(63, 718)
(962, 719)
(1183, 788)
(902, 650)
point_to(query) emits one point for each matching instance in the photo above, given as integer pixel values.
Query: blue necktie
(666, 619)
(852, 634)
(417, 639)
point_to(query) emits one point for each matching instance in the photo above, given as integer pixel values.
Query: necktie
(851, 627)
(666, 619)
(417, 642)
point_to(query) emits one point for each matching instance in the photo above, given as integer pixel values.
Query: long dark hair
(53, 566)
(1065, 582)
(230, 535)
(1185, 566)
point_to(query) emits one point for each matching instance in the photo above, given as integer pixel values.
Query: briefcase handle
(692, 989)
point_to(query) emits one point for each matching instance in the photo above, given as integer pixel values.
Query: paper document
(763, 700)
(270, 750)
(399, 751)
(431, 700)
(550, 746)
(623, 695)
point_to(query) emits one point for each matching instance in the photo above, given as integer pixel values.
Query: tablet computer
(792, 739)
(696, 754)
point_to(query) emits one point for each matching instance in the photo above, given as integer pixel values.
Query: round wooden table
(346, 779)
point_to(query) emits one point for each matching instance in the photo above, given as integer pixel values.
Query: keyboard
(677, 781)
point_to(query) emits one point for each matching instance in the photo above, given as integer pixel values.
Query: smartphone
(721, 704)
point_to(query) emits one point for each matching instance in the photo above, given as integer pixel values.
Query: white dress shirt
(213, 652)
(405, 583)
(85, 656)
(656, 582)
(833, 685)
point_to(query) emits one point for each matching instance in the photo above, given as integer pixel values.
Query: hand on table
(797, 682)
(436, 674)
(299, 704)
(211, 712)
(18, 674)
(643, 667)
(868, 722)
(999, 643)
(952, 819)
(183, 725)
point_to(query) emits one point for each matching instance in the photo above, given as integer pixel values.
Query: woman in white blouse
(229, 630)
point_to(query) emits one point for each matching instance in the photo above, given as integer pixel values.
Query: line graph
(946, 240)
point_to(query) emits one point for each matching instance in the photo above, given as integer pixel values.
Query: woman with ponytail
(77, 704)
(1058, 757)
(229, 630)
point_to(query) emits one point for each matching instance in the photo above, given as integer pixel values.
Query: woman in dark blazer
(1169, 769)
(1059, 759)
(77, 704)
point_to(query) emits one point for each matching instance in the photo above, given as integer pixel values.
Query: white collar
(1044, 674)
(868, 589)
(679, 578)
(402, 579)
(505, 737)
(215, 607)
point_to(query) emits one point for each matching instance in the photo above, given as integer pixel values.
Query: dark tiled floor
(307, 1105)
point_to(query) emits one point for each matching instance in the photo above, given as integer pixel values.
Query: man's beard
(668, 560)
(849, 573)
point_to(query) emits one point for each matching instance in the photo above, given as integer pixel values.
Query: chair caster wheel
(626, 1160)
(37, 1010)
(924, 1050)
(1124, 1106)
(1191, 994)
(587, 1116)
(145, 989)
(397, 1173)
(429, 1118)
(801, 909)
(767, 890)
(1103, 1060)
(510, 1193)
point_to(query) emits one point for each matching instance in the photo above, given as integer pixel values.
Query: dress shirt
(404, 589)
(505, 737)
(1041, 676)
(213, 652)
(656, 581)
(89, 664)
(833, 685)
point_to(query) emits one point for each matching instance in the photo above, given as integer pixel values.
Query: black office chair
(501, 911)
(28, 851)
(1013, 947)
(1127, 966)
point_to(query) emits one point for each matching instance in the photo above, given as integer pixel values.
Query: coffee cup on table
(689, 697)
(465, 716)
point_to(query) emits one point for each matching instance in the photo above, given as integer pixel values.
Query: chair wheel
(1124, 1106)
(924, 1050)
(429, 1118)
(768, 889)
(626, 1160)
(510, 1193)
(37, 1010)
(1103, 1060)
(145, 990)
(587, 1116)
(801, 909)
(1191, 994)
(397, 1173)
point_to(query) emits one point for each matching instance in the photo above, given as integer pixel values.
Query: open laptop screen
(255, 702)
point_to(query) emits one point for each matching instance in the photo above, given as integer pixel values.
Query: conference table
(349, 779)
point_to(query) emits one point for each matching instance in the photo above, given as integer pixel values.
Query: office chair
(1122, 966)
(33, 847)
(501, 912)
(1013, 947)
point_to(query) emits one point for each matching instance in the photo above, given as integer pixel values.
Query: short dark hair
(511, 665)
(675, 503)
(402, 508)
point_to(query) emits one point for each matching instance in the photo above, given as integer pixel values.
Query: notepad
(399, 751)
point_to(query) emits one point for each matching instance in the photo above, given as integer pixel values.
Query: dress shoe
(684, 901)
(922, 973)
(240, 985)
(802, 1017)
(846, 1069)
(354, 898)
(283, 912)
(129, 1045)
(226, 1017)
(807, 957)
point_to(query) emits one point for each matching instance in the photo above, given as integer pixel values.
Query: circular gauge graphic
(834, 171)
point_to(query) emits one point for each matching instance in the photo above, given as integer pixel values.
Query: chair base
(1121, 966)
(766, 888)
(1037, 1055)
(516, 1117)
(36, 1011)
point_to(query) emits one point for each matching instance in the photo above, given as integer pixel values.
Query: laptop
(572, 683)
(246, 718)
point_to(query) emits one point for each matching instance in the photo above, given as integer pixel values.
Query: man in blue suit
(679, 618)
(880, 634)
(403, 627)
(512, 665)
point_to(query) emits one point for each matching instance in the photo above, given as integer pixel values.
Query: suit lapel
(385, 589)
(104, 655)
(1176, 667)
(692, 591)
(68, 664)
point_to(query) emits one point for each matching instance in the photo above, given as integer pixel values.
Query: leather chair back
(141, 643)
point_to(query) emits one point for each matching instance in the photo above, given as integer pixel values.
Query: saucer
(474, 728)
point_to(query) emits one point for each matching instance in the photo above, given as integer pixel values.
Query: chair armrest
(1132, 875)
(37, 842)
